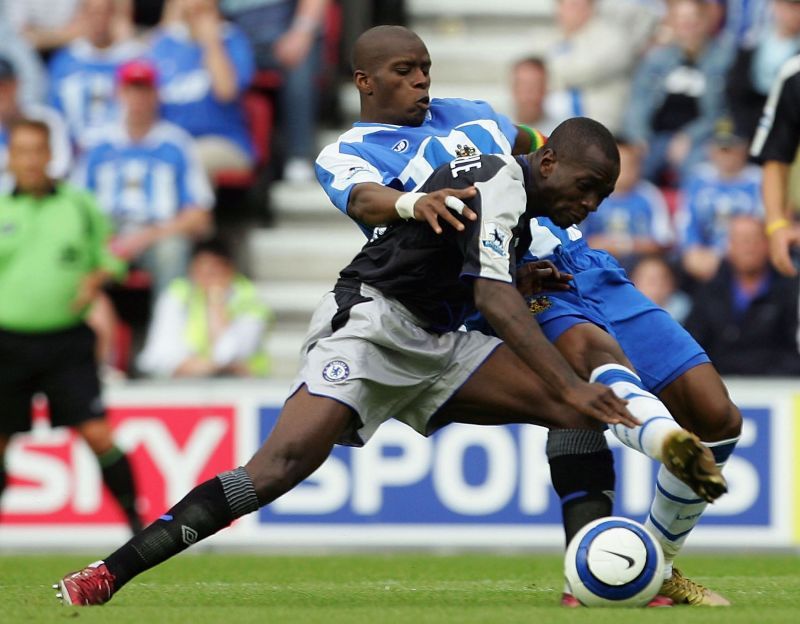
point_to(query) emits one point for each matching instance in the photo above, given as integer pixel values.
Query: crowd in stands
(683, 91)
(154, 120)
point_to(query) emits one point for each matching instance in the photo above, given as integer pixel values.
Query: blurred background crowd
(195, 125)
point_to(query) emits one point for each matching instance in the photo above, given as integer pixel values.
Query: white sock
(676, 509)
(657, 422)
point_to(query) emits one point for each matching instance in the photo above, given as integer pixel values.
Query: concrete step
(300, 253)
(294, 203)
(426, 9)
(283, 346)
(291, 300)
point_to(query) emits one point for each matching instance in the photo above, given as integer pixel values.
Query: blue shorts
(659, 348)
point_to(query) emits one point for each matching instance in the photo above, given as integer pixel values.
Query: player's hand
(780, 246)
(534, 277)
(600, 403)
(432, 207)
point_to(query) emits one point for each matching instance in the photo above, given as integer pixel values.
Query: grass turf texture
(418, 588)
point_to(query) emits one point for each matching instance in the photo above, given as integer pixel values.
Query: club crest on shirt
(495, 237)
(400, 146)
(539, 304)
(462, 151)
(335, 371)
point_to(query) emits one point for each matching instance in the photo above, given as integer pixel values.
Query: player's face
(574, 190)
(400, 85)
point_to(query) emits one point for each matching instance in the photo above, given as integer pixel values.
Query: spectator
(53, 260)
(147, 178)
(589, 65)
(678, 93)
(17, 51)
(757, 64)
(746, 319)
(635, 218)
(12, 109)
(46, 24)
(718, 190)
(212, 323)
(743, 21)
(83, 74)
(204, 66)
(654, 276)
(775, 146)
(528, 90)
(286, 36)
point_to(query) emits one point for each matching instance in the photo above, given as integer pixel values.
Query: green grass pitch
(404, 588)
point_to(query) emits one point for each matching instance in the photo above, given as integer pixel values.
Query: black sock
(582, 472)
(118, 477)
(209, 507)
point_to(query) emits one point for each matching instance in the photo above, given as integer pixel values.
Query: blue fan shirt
(185, 84)
(145, 182)
(83, 85)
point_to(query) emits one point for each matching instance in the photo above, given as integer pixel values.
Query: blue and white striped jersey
(145, 182)
(403, 157)
(641, 212)
(709, 201)
(83, 84)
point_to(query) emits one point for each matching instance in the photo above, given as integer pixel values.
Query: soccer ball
(614, 562)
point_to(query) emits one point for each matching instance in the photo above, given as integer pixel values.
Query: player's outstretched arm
(374, 204)
(507, 313)
(782, 234)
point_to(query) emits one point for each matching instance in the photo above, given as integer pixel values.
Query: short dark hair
(30, 124)
(214, 246)
(572, 138)
(536, 61)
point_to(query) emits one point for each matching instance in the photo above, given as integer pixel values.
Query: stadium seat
(258, 111)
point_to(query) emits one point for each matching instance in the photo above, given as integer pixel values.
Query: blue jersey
(640, 212)
(403, 157)
(710, 201)
(145, 182)
(185, 84)
(83, 84)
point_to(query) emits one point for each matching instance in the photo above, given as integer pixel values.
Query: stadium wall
(467, 487)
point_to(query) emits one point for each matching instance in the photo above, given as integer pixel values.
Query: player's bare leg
(302, 439)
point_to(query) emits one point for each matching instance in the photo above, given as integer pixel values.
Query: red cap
(138, 72)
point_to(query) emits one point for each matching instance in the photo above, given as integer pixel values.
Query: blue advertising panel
(493, 475)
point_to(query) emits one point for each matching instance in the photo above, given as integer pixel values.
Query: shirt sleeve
(660, 223)
(339, 169)
(241, 55)
(194, 189)
(487, 243)
(686, 219)
(778, 133)
(165, 348)
(507, 127)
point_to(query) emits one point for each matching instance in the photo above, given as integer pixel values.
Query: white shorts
(383, 364)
